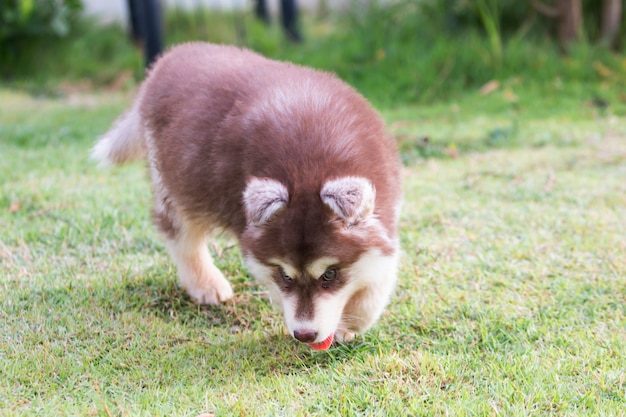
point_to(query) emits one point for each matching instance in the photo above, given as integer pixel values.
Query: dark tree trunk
(611, 20)
(570, 21)
(569, 18)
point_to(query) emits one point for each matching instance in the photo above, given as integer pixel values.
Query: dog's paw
(212, 295)
(205, 284)
(210, 291)
(342, 336)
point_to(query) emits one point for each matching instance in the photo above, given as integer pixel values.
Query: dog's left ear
(262, 199)
(351, 198)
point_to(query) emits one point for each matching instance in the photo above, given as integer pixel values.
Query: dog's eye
(286, 277)
(330, 274)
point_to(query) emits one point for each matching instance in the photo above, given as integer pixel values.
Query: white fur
(380, 273)
(351, 198)
(262, 198)
(263, 274)
(124, 142)
(202, 280)
(287, 268)
(374, 274)
(319, 266)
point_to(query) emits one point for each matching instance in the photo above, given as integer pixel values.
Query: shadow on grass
(245, 329)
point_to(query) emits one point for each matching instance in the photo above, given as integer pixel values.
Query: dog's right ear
(351, 198)
(262, 199)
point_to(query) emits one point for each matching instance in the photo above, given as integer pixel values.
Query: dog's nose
(306, 336)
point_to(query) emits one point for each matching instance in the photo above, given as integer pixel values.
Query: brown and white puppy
(294, 162)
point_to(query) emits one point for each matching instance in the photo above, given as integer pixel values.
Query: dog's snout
(306, 336)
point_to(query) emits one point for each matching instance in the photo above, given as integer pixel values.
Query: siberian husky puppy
(292, 161)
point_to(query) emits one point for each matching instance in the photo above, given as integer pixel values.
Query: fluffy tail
(125, 141)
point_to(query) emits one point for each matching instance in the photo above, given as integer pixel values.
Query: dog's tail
(125, 141)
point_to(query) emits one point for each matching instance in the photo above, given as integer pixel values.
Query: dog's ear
(262, 199)
(351, 198)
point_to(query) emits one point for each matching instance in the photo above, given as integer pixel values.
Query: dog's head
(325, 256)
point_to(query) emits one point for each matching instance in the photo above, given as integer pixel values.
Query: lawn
(511, 299)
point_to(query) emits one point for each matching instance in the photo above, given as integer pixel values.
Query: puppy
(292, 161)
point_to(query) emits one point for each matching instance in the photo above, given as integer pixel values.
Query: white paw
(344, 336)
(211, 292)
(204, 282)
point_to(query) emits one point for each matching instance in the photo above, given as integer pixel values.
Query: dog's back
(220, 115)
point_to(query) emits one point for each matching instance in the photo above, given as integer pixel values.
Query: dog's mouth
(324, 344)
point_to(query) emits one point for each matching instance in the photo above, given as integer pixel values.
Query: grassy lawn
(511, 301)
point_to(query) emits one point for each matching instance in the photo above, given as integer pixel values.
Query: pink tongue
(323, 345)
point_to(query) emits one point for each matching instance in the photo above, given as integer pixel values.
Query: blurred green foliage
(25, 24)
(22, 19)
(397, 52)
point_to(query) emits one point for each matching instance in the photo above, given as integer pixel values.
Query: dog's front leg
(202, 280)
(360, 313)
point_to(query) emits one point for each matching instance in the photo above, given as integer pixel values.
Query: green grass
(511, 300)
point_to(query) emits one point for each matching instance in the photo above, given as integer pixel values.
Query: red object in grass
(323, 345)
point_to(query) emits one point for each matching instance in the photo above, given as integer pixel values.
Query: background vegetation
(400, 53)
(512, 288)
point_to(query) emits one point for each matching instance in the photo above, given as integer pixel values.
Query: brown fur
(216, 116)
(195, 103)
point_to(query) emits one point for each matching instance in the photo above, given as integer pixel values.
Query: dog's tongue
(323, 345)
